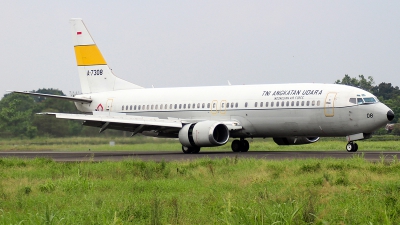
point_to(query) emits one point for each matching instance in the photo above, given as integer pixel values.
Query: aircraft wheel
(236, 146)
(350, 147)
(195, 150)
(355, 147)
(186, 150)
(245, 146)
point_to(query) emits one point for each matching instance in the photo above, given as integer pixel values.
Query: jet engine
(295, 140)
(204, 134)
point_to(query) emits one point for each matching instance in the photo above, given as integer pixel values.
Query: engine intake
(204, 134)
(295, 140)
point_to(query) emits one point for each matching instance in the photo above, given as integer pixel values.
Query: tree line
(18, 113)
(18, 117)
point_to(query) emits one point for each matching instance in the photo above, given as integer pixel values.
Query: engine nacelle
(295, 140)
(204, 134)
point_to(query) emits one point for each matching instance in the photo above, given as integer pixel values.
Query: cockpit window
(360, 101)
(369, 100)
(353, 100)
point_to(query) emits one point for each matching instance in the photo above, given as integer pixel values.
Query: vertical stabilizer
(94, 73)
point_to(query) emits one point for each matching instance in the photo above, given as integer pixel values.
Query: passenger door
(329, 104)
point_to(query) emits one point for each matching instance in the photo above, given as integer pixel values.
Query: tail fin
(94, 73)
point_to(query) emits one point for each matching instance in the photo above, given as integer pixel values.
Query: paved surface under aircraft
(178, 156)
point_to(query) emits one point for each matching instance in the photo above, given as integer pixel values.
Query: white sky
(197, 43)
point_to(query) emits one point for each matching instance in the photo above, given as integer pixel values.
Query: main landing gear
(188, 150)
(241, 145)
(351, 146)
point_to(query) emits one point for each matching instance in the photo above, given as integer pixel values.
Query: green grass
(205, 191)
(140, 143)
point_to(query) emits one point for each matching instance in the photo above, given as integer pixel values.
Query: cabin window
(353, 100)
(122, 107)
(245, 104)
(277, 104)
(308, 103)
(227, 105)
(255, 104)
(214, 105)
(223, 105)
(313, 103)
(194, 105)
(297, 103)
(302, 103)
(138, 107)
(188, 106)
(152, 107)
(148, 107)
(198, 105)
(236, 105)
(232, 105)
(208, 105)
(318, 102)
(283, 103)
(161, 106)
(261, 104)
(287, 103)
(203, 105)
(272, 104)
(176, 106)
(292, 103)
(266, 104)
(134, 107)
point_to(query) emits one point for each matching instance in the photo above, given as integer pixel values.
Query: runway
(179, 156)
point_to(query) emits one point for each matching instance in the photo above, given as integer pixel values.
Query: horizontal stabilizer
(74, 99)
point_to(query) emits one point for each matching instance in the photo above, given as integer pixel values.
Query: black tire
(195, 150)
(186, 150)
(355, 147)
(236, 146)
(350, 147)
(245, 146)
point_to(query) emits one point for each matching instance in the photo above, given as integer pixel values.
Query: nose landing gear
(351, 146)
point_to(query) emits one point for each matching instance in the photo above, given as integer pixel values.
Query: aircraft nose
(390, 115)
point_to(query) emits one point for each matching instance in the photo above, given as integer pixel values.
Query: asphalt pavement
(179, 156)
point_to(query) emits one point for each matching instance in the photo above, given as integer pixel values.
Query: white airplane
(292, 114)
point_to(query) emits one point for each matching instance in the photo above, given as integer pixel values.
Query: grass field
(140, 143)
(224, 191)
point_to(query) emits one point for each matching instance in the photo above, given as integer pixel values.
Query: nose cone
(390, 115)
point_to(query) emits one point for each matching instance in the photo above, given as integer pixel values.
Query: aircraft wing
(121, 121)
(74, 99)
(150, 126)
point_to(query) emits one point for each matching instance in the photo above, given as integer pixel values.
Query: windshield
(369, 100)
(363, 100)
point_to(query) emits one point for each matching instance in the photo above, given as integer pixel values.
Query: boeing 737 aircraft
(292, 114)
